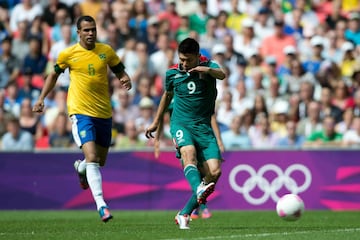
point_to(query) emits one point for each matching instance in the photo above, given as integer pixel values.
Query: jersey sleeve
(112, 59)
(61, 62)
(169, 83)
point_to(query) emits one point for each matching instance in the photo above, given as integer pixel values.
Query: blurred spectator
(62, 17)
(186, 7)
(335, 16)
(261, 135)
(272, 94)
(144, 89)
(221, 27)
(306, 95)
(342, 97)
(356, 108)
(3, 113)
(101, 27)
(16, 139)
(159, 59)
(147, 111)
(138, 19)
(184, 29)
(55, 103)
(234, 138)
(274, 44)
(152, 34)
(156, 6)
(225, 112)
(39, 30)
(28, 90)
(352, 34)
(208, 38)
(346, 123)
(131, 139)
(35, 60)
(312, 65)
(20, 45)
(170, 15)
(60, 135)
(348, 62)
(246, 42)
(241, 98)
(328, 137)
(24, 11)
(215, 7)
(296, 77)
(29, 121)
(292, 139)
(66, 30)
(128, 56)
(12, 101)
(279, 118)
(90, 7)
(312, 122)
(264, 24)
(116, 39)
(50, 10)
(9, 62)
(124, 111)
(351, 137)
(327, 107)
(119, 7)
(198, 16)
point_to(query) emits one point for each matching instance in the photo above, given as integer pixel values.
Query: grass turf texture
(73, 225)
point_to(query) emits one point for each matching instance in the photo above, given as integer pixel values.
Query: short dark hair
(82, 19)
(189, 46)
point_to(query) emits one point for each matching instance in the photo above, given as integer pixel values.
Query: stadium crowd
(293, 70)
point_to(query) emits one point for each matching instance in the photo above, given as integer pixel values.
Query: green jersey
(194, 94)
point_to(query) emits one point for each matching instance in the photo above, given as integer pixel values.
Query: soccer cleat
(105, 214)
(204, 191)
(206, 213)
(82, 176)
(195, 214)
(182, 221)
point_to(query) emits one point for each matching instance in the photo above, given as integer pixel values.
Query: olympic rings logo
(269, 187)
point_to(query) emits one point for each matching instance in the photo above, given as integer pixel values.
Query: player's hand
(148, 132)
(125, 83)
(38, 106)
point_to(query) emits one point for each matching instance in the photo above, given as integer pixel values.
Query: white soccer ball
(290, 207)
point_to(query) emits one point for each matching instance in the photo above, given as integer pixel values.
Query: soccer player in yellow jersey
(88, 103)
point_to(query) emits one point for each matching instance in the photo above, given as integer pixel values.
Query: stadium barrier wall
(251, 180)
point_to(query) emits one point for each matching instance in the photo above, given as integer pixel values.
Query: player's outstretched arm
(163, 105)
(48, 86)
(217, 73)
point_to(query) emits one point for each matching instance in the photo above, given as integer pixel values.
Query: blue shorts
(86, 129)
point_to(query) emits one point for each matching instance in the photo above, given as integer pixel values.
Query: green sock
(192, 175)
(190, 205)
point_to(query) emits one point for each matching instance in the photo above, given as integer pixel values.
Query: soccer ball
(290, 207)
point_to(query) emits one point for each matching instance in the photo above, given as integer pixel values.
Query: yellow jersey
(89, 85)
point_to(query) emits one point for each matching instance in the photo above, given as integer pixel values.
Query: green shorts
(199, 135)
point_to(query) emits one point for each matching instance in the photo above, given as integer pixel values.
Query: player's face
(87, 34)
(188, 61)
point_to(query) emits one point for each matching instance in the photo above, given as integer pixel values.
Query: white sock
(82, 166)
(95, 183)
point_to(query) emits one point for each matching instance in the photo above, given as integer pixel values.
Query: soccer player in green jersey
(192, 84)
(88, 103)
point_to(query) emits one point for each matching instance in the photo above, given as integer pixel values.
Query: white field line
(259, 235)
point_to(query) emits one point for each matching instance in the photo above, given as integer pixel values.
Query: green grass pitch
(82, 225)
